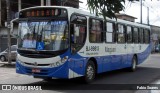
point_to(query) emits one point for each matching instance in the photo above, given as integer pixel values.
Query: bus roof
(80, 11)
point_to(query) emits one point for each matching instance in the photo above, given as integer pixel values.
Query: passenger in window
(29, 41)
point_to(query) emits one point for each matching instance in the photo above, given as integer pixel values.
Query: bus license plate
(35, 70)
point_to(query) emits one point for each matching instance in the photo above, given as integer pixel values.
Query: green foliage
(106, 8)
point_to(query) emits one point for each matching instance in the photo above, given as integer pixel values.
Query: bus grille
(32, 64)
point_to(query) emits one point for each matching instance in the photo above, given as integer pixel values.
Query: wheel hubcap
(90, 72)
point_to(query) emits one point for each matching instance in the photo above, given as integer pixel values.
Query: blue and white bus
(64, 42)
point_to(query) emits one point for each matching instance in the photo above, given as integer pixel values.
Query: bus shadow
(143, 75)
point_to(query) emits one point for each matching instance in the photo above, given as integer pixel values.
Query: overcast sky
(133, 9)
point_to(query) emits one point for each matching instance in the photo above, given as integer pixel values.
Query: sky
(133, 9)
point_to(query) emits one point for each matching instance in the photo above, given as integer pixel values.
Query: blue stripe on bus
(108, 63)
(78, 63)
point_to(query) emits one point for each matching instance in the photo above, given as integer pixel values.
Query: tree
(106, 7)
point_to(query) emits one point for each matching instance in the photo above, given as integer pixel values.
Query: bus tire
(90, 72)
(134, 64)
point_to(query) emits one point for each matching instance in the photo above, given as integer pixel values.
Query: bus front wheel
(90, 72)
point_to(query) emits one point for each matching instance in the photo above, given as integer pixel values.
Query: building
(125, 17)
(15, 6)
(155, 36)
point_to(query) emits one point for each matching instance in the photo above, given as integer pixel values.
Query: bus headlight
(60, 62)
(20, 62)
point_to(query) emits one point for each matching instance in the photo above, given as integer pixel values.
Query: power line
(151, 8)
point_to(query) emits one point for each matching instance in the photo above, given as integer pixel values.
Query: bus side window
(121, 33)
(129, 34)
(135, 34)
(95, 31)
(78, 32)
(141, 36)
(149, 36)
(110, 35)
(146, 36)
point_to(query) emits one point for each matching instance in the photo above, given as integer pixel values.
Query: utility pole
(0, 13)
(19, 5)
(8, 30)
(148, 15)
(141, 11)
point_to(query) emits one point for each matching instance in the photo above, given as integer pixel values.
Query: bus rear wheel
(90, 72)
(134, 64)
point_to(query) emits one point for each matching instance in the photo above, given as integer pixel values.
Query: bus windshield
(51, 35)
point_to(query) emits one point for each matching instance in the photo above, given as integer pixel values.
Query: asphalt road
(147, 73)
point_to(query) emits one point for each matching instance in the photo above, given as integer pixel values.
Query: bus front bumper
(56, 72)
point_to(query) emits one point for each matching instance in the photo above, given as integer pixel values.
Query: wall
(4, 38)
(155, 36)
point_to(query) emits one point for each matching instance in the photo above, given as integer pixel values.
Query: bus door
(78, 27)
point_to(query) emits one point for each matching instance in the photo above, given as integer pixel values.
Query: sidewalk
(6, 63)
(8, 71)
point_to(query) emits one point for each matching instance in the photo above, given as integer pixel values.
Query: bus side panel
(77, 65)
(122, 61)
(125, 61)
(129, 60)
(144, 55)
(107, 63)
(99, 64)
(116, 62)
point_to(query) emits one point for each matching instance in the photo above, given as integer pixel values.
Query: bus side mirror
(13, 23)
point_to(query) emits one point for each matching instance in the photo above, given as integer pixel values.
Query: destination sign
(43, 12)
